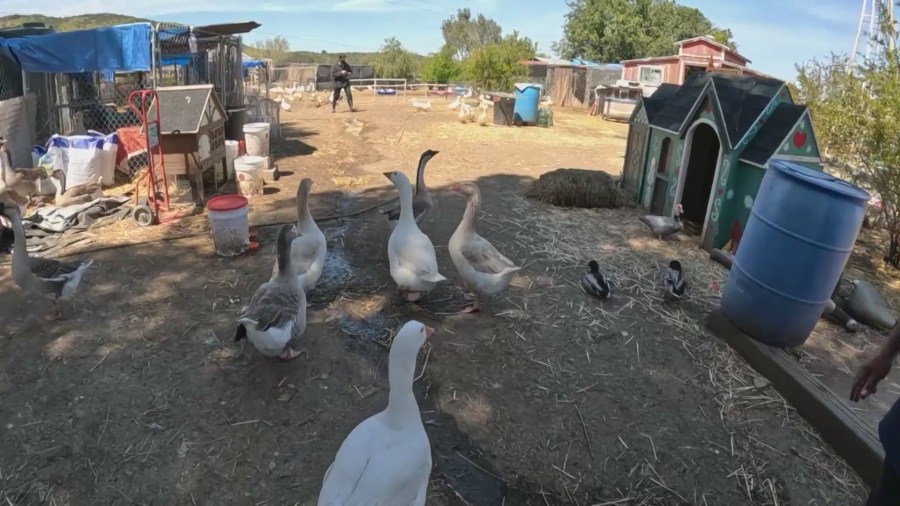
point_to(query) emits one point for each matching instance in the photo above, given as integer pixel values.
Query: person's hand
(344, 72)
(871, 373)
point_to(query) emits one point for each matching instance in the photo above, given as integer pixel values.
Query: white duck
(663, 226)
(49, 278)
(423, 201)
(479, 263)
(412, 258)
(309, 248)
(275, 319)
(421, 105)
(386, 459)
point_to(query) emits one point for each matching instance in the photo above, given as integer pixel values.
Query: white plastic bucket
(231, 152)
(249, 174)
(228, 224)
(108, 169)
(256, 135)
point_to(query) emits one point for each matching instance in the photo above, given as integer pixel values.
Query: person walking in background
(341, 73)
(887, 492)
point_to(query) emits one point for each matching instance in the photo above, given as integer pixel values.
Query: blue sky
(774, 34)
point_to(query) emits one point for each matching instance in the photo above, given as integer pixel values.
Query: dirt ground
(547, 397)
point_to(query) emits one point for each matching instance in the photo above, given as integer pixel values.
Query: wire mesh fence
(575, 86)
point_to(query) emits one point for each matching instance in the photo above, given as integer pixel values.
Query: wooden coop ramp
(839, 426)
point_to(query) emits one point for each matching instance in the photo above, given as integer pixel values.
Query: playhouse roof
(741, 101)
(655, 103)
(773, 133)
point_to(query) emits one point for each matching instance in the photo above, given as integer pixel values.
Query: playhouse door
(659, 195)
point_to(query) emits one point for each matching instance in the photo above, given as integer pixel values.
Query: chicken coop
(192, 120)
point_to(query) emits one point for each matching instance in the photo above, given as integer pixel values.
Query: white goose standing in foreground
(50, 278)
(479, 263)
(275, 319)
(410, 252)
(309, 248)
(663, 226)
(423, 202)
(386, 459)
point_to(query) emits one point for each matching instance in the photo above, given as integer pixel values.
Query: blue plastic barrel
(797, 240)
(528, 95)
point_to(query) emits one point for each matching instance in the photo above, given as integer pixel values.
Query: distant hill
(69, 23)
(87, 21)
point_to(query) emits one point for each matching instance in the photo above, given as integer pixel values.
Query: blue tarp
(121, 48)
(252, 63)
(180, 59)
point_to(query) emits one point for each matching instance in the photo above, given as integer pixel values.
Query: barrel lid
(820, 179)
(224, 203)
(525, 86)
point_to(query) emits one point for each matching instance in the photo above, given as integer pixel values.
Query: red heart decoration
(799, 139)
(720, 191)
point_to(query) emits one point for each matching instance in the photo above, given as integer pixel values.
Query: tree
(464, 34)
(394, 61)
(441, 67)
(615, 30)
(274, 48)
(857, 116)
(496, 66)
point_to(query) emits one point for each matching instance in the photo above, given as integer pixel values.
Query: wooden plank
(839, 426)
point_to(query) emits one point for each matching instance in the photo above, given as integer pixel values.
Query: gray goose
(54, 279)
(664, 227)
(423, 202)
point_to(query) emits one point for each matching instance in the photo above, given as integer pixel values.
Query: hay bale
(579, 188)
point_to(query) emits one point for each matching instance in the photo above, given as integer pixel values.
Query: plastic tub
(257, 137)
(231, 152)
(800, 233)
(249, 172)
(228, 224)
(528, 96)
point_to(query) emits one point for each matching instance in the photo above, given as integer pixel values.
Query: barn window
(650, 75)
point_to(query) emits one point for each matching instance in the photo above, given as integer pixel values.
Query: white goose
(308, 250)
(275, 319)
(386, 459)
(423, 201)
(479, 263)
(42, 276)
(412, 258)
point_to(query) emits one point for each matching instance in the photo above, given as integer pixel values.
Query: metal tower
(866, 46)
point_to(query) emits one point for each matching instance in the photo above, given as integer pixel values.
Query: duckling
(482, 118)
(674, 281)
(595, 283)
(663, 226)
(50, 278)
(275, 319)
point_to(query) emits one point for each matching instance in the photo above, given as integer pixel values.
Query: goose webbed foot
(55, 314)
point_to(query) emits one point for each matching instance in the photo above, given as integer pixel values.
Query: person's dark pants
(887, 493)
(338, 86)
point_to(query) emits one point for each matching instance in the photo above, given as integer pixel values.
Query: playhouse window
(663, 156)
(650, 75)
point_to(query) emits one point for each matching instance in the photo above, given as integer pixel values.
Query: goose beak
(388, 175)
(429, 332)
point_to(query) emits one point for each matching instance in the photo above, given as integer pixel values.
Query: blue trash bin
(528, 95)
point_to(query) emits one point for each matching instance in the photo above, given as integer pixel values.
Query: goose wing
(52, 270)
(273, 305)
(484, 257)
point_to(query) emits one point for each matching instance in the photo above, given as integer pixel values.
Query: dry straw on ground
(565, 239)
(578, 188)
